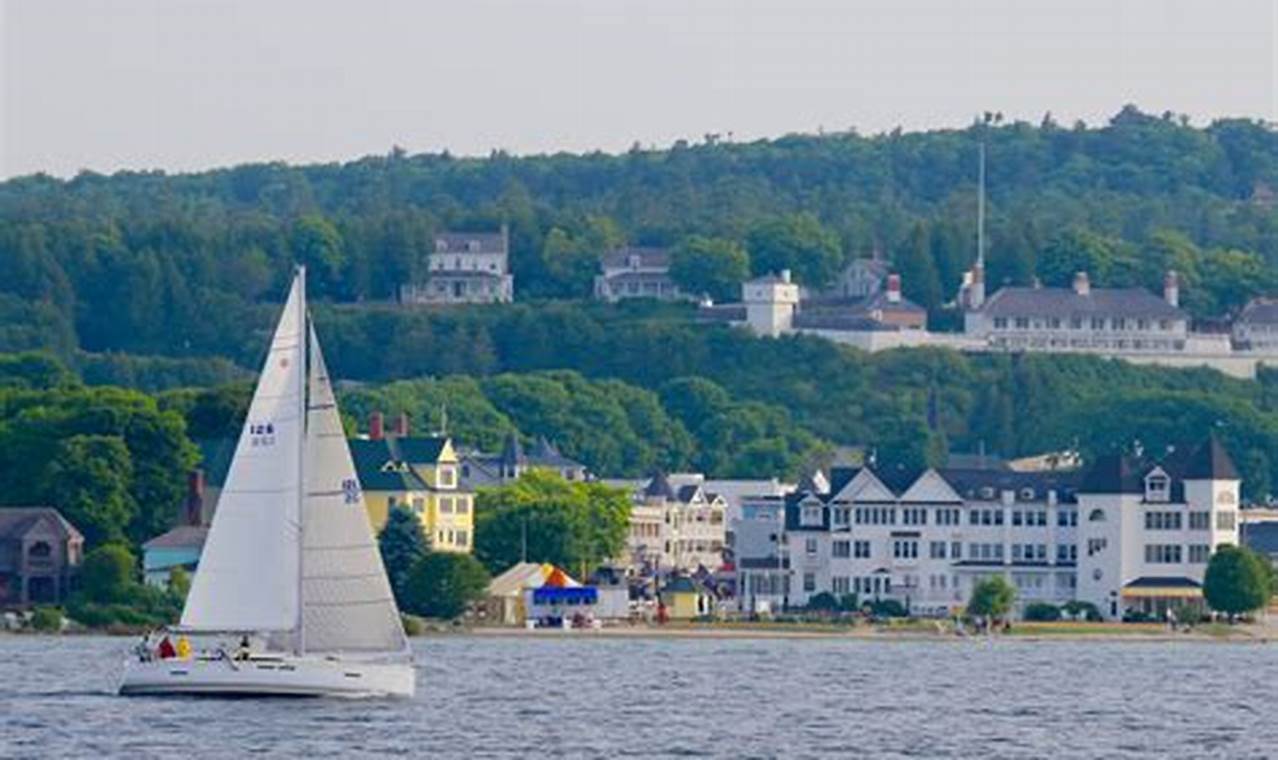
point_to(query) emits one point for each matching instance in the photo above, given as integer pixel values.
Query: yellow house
(421, 474)
(685, 599)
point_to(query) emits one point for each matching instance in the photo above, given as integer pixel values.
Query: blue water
(482, 697)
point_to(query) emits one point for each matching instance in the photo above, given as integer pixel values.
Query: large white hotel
(1122, 534)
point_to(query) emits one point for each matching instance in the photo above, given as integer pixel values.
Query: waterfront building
(465, 267)
(39, 554)
(1256, 327)
(636, 272)
(676, 524)
(686, 599)
(1127, 536)
(420, 473)
(181, 546)
(481, 470)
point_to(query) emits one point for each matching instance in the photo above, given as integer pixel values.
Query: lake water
(481, 697)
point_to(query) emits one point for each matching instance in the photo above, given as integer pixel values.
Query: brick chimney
(195, 497)
(894, 288)
(376, 426)
(401, 425)
(1081, 284)
(1171, 288)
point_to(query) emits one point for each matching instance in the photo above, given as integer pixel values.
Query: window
(1000, 323)
(809, 581)
(1096, 515)
(956, 550)
(463, 538)
(1017, 517)
(1199, 553)
(1157, 488)
(1200, 520)
(1022, 323)
(811, 515)
(447, 477)
(1226, 520)
(841, 515)
(446, 505)
(419, 504)
(1162, 521)
(840, 585)
(810, 546)
(463, 505)
(861, 549)
(1096, 545)
(1066, 553)
(914, 516)
(1066, 518)
(1162, 554)
(841, 549)
(936, 550)
(947, 516)
(905, 549)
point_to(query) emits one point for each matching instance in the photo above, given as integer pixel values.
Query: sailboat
(290, 569)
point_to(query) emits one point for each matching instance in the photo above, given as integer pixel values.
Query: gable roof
(417, 449)
(379, 469)
(659, 487)
(181, 537)
(1113, 473)
(459, 242)
(15, 522)
(1210, 462)
(1259, 311)
(650, 257)
(1065, 303)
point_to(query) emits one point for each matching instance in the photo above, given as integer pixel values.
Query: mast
(305, 374)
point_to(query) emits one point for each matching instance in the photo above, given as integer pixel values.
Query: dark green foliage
(401, 544)
(89, 478)
(443, 585)
(823, 602)
(46, 619)
(798, 242)
(991, 598)
(1081, 611)
(1041, 612)
(886, 608)
(710, 266)
(573, 525)
(108, 574)
(1237, 581)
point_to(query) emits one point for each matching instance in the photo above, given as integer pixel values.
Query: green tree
(919, 280)
(402, 545)
(444, 585)
(107, 574)
(797, 242)
(1236, 581)
(541, 516)
(991, 598)
(712, 266)
(89, 480)
(316, 243)
(179, 582)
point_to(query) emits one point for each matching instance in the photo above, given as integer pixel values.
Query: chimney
(785, 275)
(976, 288)
(1171, 288)
(894, 288)
(195, 497)
(401, 425)
(376, 426)
(1081, 285)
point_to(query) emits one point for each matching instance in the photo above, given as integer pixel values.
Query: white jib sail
(247, 578)
(347, 604)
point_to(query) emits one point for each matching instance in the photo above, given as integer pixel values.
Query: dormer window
(1027, 494)
(811, 515)
(1157, 487)
(472, 246)
(987, 492)
(634, 261)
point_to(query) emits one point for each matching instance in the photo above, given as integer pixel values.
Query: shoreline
(1241, 634)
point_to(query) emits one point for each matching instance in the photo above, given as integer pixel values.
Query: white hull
(274, 676)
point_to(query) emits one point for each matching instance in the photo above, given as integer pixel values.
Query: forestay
(248, 573)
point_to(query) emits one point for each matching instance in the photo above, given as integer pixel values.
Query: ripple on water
(519, 697)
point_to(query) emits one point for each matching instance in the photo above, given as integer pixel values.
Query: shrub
(107, 573)
(886, 608)
(1081, 611)
(413, 625)
(46, 619)
(443, 585)
(823, 602)
(1042, 612)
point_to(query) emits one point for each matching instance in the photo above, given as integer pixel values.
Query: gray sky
(186, 84)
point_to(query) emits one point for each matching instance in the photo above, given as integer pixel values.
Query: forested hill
(146, 262)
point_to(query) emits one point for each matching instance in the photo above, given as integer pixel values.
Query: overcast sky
(181, 85)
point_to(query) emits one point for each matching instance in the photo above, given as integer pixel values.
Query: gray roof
(181, 537)
(379, 469)
(659, 485)
(16, 521)
(1262, 311)
(649, 257)
(1260, 537)
(1064, 303)
(460, 242)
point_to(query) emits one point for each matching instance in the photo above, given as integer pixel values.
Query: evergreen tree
(401, 544)
(919, 281)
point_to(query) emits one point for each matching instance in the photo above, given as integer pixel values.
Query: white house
(465, 267)
(636, 272)
(675, 524)
(1124, 538)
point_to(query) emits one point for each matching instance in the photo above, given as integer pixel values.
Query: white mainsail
(248, 573)
(347, 604)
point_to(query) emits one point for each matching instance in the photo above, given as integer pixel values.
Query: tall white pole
(980, 210)
(304, 371)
